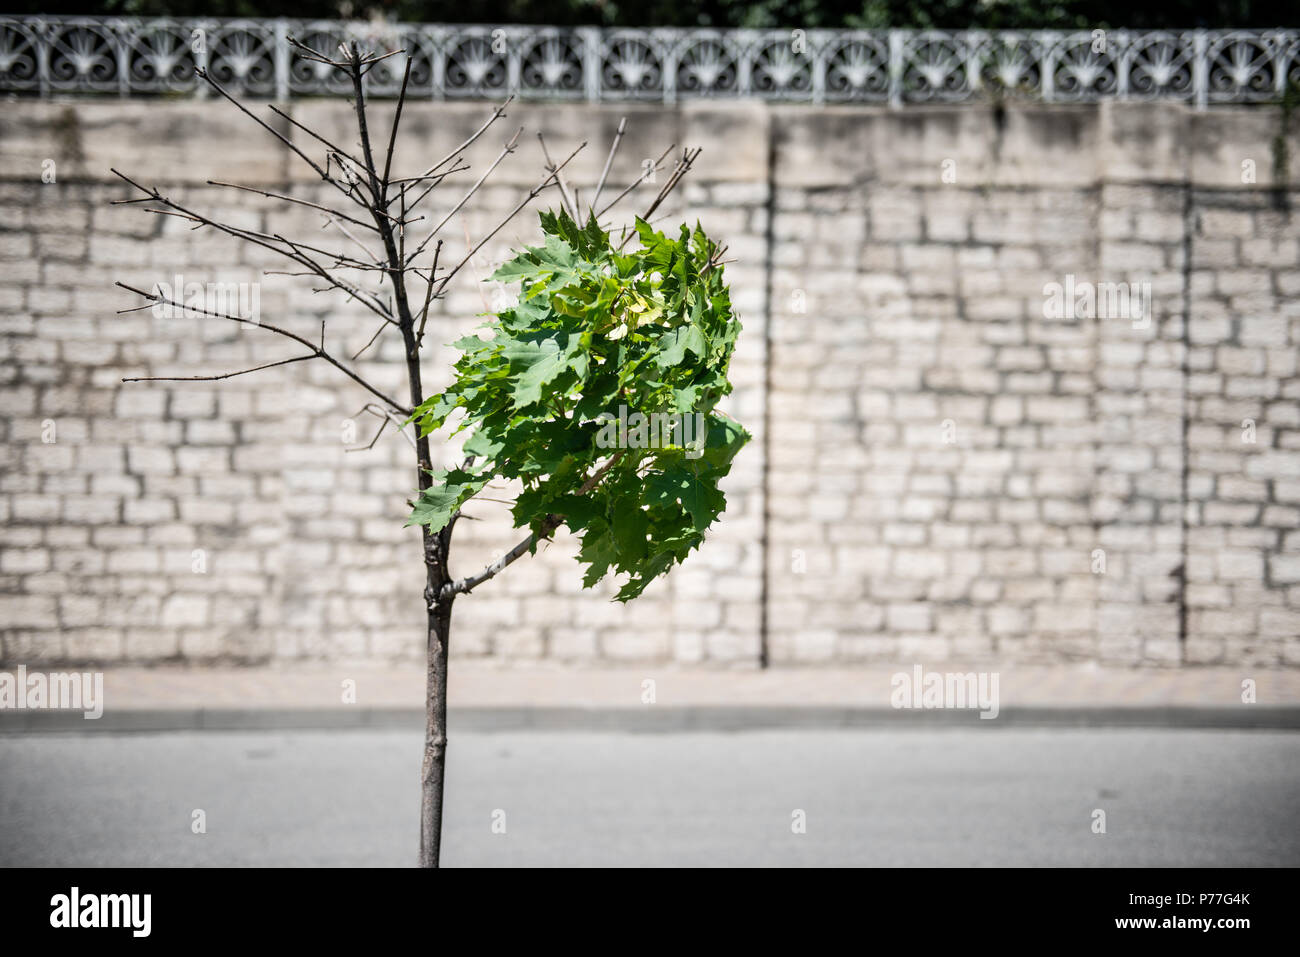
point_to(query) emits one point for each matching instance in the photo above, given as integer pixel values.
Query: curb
(649, 719)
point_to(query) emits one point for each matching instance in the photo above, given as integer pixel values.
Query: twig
(559, 178)
(264, 240)
(466, 585)
(437, 181)
(312, 133)
(316, 350)
(505, 151)
(224, 375)
(291, 199)
(428, 296)
(497, 114)
(392, 136)
(207, 77)
(357, 354)
(532, 194)
(388, 417)
(609, 161)
(645, 175)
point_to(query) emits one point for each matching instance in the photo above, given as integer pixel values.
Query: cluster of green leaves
(597, 330)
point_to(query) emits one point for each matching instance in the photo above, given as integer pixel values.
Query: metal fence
(131, 56)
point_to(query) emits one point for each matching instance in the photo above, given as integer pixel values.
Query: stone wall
(941, 470)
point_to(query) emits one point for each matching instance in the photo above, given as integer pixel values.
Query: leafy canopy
(597, 393)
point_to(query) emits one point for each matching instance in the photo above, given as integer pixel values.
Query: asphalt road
(868, 797)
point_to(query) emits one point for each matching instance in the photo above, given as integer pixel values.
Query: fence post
(817, 42)
(515, 40)
(123, 31)
(1047, 66)
(1120, 57)
(590, 62)
(199, 46)
(672, 38)
(282, 59)
(1278, 44)
(41, 31)
(1200, 70)
(976, 41)
(895, 68)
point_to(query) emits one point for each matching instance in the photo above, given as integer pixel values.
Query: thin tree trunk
(436, 545)
(437, 602)
(435, 729)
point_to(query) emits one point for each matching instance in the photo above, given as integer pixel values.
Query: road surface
(864, 797)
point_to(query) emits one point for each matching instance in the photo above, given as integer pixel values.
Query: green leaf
(676, 344)
(537, 363)
(637, 584)
(437, 503)
(630, 526)
(597, 553)
(699, 497)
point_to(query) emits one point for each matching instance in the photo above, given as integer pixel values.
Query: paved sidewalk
(480, 684)
(484, 695)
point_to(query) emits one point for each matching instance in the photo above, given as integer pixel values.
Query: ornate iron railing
(54, 55)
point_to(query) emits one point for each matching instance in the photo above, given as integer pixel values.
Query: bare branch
(532, 194)
(371, 342)
(609, 161)
(371, 444)
(340, 259)
(224, 375)
(392, 136)
(645, 175)
(466, 585)
(505, 151)
(369, 62)
(312, 54)
(497, 114)
(401, 229)
(276, 133)
(267, 241)
(683, 167)
(569, 199)
(317, 351)
(359, 94)
(331, 221)
(312, 133)
(382, 413)
(412, 180)
(292, 199)
(428, 296)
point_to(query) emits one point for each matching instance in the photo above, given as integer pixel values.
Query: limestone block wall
(945, 466)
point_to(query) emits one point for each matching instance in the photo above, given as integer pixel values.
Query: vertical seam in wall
(1184, 499)
(1095, 413)
(769, 258)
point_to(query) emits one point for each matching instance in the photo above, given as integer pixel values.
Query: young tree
(596, 393)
